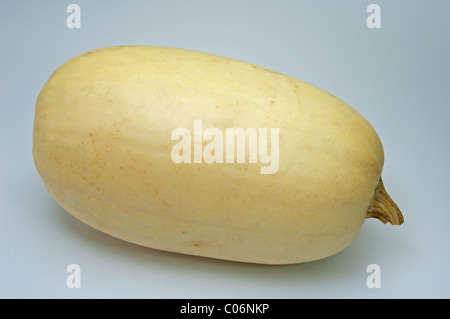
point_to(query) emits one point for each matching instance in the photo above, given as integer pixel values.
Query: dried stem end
(383, 207)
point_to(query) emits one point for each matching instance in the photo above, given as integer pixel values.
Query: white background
(396, 76)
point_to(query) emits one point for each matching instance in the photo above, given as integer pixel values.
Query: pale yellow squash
(103, 147)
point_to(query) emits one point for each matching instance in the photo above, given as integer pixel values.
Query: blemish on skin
(87, 53)
(196, 243)
(166, 204)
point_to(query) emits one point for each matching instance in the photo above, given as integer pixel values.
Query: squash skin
(102, 145)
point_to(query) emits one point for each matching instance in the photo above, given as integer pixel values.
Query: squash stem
(383, 207)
